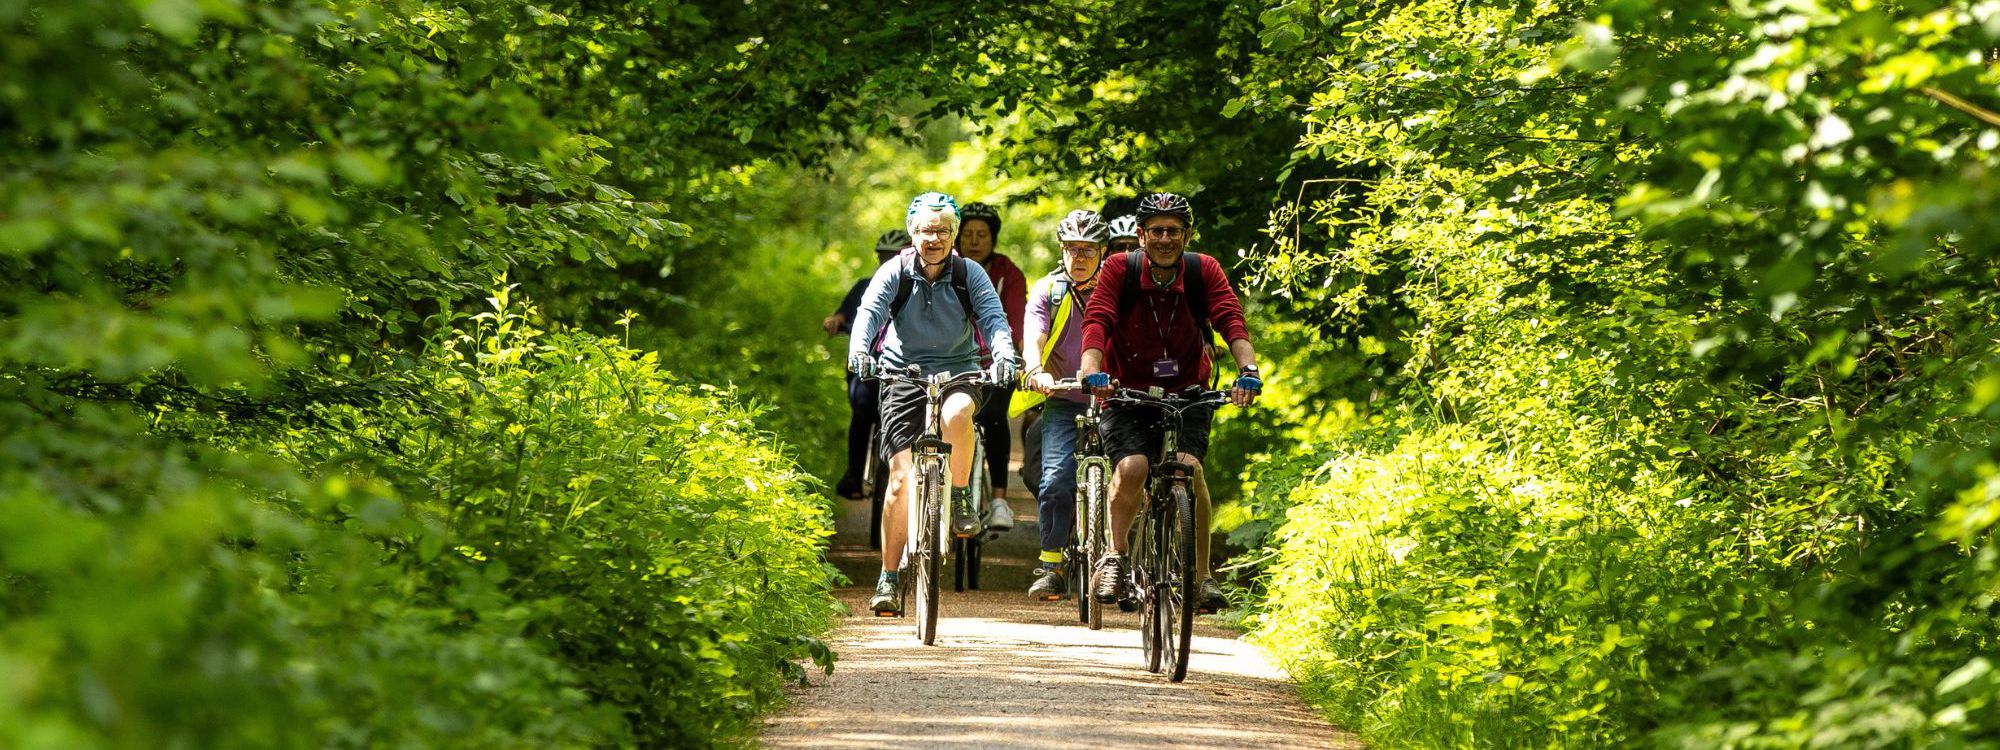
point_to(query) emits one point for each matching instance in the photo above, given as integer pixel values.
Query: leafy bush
(550, 543)
(1682, 314)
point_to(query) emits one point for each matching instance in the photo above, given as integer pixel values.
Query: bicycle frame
(1162, 579)
(928, 524)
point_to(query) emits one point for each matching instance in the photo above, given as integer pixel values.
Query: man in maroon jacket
(1146, 334)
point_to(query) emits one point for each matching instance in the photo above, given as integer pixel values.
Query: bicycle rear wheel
(926, 525)
(1177, 589)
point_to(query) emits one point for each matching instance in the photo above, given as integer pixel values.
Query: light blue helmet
(929, 203)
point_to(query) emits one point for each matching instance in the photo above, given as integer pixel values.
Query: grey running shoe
(1110, 579)
(999, 517)
(1208, 597)
(1049, 584)
(885, 603)
(964, 518)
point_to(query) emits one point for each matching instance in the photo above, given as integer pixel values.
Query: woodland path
(1013, 673)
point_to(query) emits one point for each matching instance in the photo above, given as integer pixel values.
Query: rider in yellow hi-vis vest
(1053, 340)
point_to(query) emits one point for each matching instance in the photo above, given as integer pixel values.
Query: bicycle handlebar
(1175, 401)
(915, 374)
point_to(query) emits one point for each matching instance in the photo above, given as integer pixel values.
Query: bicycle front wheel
(1177, 590)
(930, 551)
(1144, 573)
(1090, 538)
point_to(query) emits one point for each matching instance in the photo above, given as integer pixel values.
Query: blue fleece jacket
(931, 330)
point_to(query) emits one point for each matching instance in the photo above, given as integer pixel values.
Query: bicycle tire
(876, 477)
(1178, 589)
(1091, 535)
(1143, 568)
(928, 526)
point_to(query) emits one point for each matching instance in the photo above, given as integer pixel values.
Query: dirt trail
(1013, 673)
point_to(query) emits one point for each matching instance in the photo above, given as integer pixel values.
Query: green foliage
(1673, 321)
(546, 542)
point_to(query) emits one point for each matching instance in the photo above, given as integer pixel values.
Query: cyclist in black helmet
(1148, 325)
(861, 397)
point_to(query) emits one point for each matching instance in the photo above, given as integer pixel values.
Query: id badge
(1166, 368)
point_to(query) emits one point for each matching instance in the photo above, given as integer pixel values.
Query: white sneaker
(999, 517)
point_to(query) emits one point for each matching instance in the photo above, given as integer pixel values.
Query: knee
(1133, 467)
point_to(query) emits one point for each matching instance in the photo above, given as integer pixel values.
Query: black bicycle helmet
(1164, 204)
(892, 241)
(981, 211)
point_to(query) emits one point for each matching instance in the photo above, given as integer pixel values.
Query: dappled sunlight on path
(1010, 672)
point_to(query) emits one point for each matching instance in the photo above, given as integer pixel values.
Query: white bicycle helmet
(1082, 225)
(1125, 227)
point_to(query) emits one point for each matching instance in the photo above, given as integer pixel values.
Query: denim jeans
(1057, 502)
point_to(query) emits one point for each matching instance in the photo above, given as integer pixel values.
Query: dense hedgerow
(549, 543)
(1681, 322)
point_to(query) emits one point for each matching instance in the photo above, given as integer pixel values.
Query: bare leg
(1202, 516)
(1128, 486)
(895, 521)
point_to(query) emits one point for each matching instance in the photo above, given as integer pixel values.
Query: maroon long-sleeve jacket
(1158, 326)
(1012, 286)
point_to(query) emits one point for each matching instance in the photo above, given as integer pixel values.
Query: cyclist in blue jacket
(947, 316)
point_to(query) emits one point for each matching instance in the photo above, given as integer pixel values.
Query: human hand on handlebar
(1098, 383)
(862, 365)
(1245, 391)
(1042, 382)
(1003, 371)
(833, 323)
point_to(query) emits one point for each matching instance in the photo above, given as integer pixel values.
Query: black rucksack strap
(906, 283)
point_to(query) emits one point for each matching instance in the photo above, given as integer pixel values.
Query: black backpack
(1195, 287)
(905, 284)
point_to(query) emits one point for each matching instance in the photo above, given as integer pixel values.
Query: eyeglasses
(1164, 233)
(931, 233)
(1083, 250)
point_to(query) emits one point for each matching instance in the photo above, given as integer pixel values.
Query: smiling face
(1081, 261)
(932, 232)
(1163, 237)
(975, 240)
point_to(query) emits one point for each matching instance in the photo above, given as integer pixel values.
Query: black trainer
(1110, 579)
(964, 518)
(886, 602)
(1209, 596)
(1049, 583)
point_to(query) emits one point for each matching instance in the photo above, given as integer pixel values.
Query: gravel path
(1013, 673)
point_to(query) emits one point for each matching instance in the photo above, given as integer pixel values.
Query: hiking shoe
(1110, 579)
(964, 518)
(849, 487)
(999, 516)
(1208, 597)
(886, 603)
(1049, 584)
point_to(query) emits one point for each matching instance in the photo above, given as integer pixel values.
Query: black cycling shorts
(1136, 430)
(903, 413)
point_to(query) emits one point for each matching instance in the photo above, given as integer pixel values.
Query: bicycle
(929, 525)
(1091, 539)
(1163, 569)
(874, 483)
